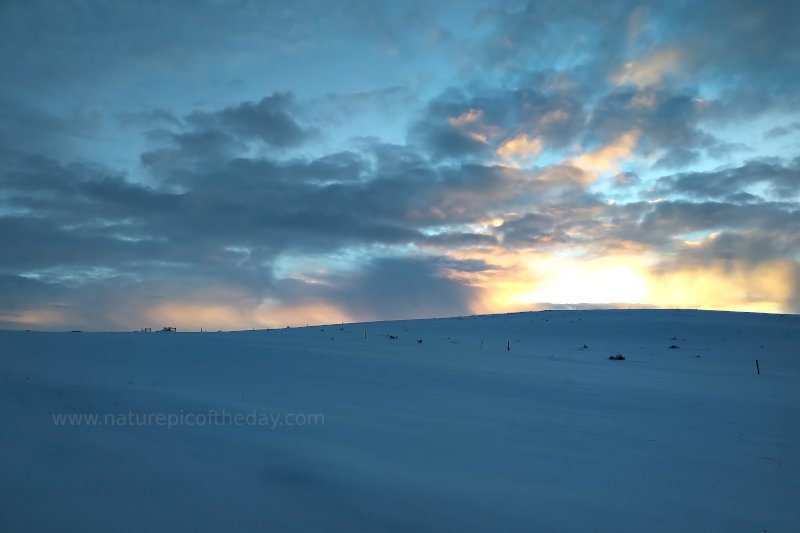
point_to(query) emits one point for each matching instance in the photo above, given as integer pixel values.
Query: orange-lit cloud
(609, 157)
(470, 117)
(648, 71)
(480, 137)
(520, 146)
(557, 115)
(568, 174)
(472, 125)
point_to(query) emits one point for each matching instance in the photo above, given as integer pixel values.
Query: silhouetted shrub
(618, 357)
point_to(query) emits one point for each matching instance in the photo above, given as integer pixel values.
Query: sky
(234, 164)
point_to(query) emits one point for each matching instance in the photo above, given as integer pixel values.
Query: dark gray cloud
(782, 131)
(728, 43)
(662, 226)
(436, 132)
(214, 216)
(748, 246)
(667, 122)
(401, 288)
(450, 240)
(269, 120)
(474, 122)
(35, 129)
(551, 33)
(777, 180)
(149, 119)
(536, 230)
(735, 42)
(676, 218)
(338, 109)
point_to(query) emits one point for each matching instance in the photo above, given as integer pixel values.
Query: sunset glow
(328, 162)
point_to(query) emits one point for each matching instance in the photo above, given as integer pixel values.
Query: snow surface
(431, 436)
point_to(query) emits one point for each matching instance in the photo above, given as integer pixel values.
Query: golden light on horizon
(191, 316)
(575, 285)
(726, 285)
(37, 317)
(523, 281)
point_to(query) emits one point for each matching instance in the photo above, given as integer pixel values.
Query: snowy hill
(504, 423)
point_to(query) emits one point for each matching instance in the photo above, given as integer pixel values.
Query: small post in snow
(758, 370)
(365, 334)
(508, 346)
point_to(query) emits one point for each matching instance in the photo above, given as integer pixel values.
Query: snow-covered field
(454, 433)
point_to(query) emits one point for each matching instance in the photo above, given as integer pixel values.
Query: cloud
(475, 124)
(401, 288)
(553, 117)
(449, 131)
(33, 129)
(609, 157)
(532, 229)
(139, 182)
(648, 71)
(781, 131)
(269, 120)
(750, 246)
(668, 126)
(765, 287)
(80, 226)
(520, 146)
(470, 117)
(766, 177)
(454, 239)
(149, 119)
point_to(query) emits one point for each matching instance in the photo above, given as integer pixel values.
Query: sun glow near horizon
(543, 280)
(575, 285)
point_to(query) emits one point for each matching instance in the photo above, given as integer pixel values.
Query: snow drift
(508, 423)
